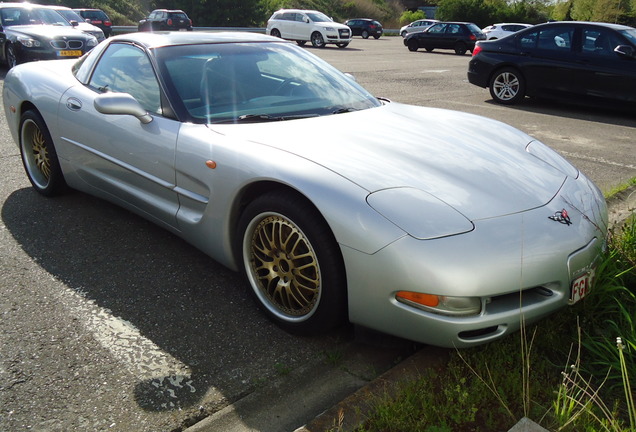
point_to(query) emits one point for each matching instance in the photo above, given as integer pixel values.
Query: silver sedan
(437, 226)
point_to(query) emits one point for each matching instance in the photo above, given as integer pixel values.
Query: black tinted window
(556, 39)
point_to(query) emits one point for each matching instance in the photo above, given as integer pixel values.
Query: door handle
(74, 104)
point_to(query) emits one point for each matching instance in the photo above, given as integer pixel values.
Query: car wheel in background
(38, 155)
(507, 86)
(292, 263)
(342, 45)
(317, 40)
(376, 37)
(275, 33)
(460, 48)
(365, 34)
(11, 57)
(412, 45)
(301, 43)
(429, 49)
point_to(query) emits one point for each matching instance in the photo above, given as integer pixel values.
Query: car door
(549, 60)
(453, 33)
(117, 154)
(605, 73)
(433, 37)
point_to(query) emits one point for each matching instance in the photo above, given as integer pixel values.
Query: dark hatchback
(365, 27)
(165, 20)
(458, 36)
(29, 33)
(569, 59)
(98, 18)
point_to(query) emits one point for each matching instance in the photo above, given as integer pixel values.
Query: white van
(308, 25)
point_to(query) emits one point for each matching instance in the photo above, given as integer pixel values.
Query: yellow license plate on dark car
(70, 53)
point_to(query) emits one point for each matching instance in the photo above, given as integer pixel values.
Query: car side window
(437, 28)
(599, 43)
(127, 69)
(529, 40)
(453, 29)
(556, 39)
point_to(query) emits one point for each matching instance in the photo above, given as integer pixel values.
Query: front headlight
(29, 42)
(92, 42)
(443, 305)
(419, 213)
(330, 29)
(549, 156)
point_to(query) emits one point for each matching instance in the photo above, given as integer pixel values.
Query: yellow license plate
(70, 53)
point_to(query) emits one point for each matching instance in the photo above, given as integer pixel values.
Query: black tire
(292, 263)
(275, 33)
(460, 48)
(412, 45)
(428, 49)
(376, 37)
(10, 56)
(507, 86)
(342, 45)
(317, 40)
(301, 43)
(403, 34)
(365, 34)
(39, 156)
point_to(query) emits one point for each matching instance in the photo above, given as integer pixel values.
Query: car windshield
(222, 83)
(70, 15)
(30, 16)
(318, 17)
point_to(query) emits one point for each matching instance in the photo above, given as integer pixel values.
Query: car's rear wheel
(365, 34)
(412, 45)
(275, 33)
(39, 156)
(376, 36)
(317, 40)
(429, 49)
(292, 263)
(507, 86)
(460, 48)
(10, 56)
(404, 33)
(342, 45)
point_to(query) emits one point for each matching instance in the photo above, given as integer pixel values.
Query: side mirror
(624, 51)
(74, 23)
(121, 104)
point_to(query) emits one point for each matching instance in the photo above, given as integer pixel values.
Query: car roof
(586, 23)
(298, 10)
(152, 40)
(168, 10)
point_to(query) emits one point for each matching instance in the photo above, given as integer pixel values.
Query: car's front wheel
(10, 56)
(317, 40)
(412, 45)
(292, 263)
(342, 45)
(275, 33)
(507, 86)
(39, 156)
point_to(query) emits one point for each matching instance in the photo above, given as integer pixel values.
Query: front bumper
(521, 266)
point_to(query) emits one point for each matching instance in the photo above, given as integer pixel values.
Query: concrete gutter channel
(302, 396)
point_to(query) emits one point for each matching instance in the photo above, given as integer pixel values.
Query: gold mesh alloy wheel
(36, 154)
(284, 267)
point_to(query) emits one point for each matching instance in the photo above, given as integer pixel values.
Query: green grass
(567, 373)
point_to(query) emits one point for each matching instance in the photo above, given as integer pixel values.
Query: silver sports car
(437, 226)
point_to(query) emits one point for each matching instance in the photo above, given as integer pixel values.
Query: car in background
(32, 32)
(78, 22)
(98, 18)
(569, 59)
(308, 25)
(165, 20)
(416, 26)
(324, 197)
(499, 30)
(458, 36)
(364, 27)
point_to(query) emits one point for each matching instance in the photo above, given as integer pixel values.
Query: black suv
(98, 18)
(458, 36)
(364, 27)
(165, 20)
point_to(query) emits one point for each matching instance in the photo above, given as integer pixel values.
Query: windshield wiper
(255, 118)
(344, 110)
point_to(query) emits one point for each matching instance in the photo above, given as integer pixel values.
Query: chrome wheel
(507, 86)
(317, 40)
(283, 266)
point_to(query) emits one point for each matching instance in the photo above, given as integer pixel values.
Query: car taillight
(169, 21)
(476, 50)
(107, 23)
(372, 26)
(472, 37)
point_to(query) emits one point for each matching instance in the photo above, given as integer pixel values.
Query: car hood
(46, 31)
(476, 165)
(331, 24)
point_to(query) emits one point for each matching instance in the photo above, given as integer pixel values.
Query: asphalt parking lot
(110, 323)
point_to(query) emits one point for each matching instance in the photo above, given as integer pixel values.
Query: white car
(415, 26)
(497, 31)
(308, 25)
